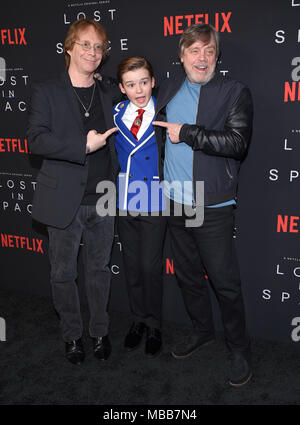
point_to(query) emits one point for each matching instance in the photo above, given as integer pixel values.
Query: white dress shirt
(131, 113)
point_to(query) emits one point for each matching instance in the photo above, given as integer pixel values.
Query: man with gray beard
(203, 126)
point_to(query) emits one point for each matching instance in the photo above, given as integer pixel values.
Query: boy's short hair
(133, 63)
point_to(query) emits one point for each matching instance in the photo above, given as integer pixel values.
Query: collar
(148, 108)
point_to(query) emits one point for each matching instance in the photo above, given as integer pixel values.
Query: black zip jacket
(220, 136)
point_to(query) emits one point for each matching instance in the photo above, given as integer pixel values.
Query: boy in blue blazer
(141, 225)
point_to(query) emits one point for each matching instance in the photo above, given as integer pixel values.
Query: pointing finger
(110, 131)
(161, 123)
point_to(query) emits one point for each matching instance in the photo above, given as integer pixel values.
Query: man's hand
(173, 129)
(96, 140)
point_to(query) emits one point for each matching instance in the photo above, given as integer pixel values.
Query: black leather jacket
(220, 136)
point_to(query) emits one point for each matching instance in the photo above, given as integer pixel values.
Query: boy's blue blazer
(138, 181)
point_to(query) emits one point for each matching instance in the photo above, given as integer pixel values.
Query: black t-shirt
(99, 162)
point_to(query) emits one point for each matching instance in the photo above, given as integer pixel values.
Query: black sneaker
(134, 336)
(191, 344)
(240, 369)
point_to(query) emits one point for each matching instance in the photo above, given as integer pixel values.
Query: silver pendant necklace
(86, 114)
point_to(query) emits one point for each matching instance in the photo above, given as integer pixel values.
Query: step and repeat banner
(260, 45)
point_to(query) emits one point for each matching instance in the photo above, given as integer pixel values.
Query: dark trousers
(210, 246)
(97, 234)
(142, 239)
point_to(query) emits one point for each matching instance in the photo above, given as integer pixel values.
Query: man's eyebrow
(211, 46)
(87, 41)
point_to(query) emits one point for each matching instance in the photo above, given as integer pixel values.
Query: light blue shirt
(178, 164)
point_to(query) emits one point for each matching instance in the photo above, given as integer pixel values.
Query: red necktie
(137, 123)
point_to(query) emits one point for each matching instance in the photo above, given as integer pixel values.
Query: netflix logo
(291, 91)
(170, 267)
(176, 24)
(22, 242)
(287, 224)
(13, 36)
(12, 145)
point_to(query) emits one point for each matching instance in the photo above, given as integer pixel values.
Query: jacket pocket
(46, 180)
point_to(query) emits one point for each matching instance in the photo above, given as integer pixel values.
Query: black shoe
(153, 342)
(240, 369)
(134, 336)
(102, 347)
(191, 345)
(75, 352)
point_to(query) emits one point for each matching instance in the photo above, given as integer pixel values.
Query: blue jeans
(97, 234)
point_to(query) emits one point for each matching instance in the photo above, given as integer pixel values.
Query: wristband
(88, 149)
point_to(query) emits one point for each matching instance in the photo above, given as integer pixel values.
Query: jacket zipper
(228, 169)
(194, 183)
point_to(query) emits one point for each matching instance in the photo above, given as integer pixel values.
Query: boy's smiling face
(137, 85)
